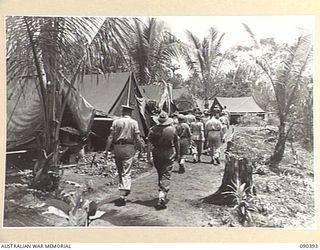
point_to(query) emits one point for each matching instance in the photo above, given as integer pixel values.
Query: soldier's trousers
(124, 157)
(163, 159)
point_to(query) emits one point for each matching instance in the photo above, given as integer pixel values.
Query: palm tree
(204, 58)
(286, 81)
(149, 49)
(54, 51)
(144, 47)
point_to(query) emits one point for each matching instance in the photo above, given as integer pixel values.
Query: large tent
(238, 106)
(106, 93)
(25, 113)
(152, 91)
(183, 99)
(161, 93)
(201, 103)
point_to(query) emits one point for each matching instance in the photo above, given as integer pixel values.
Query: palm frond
(213, 34)
(253, 37)
(195, 42)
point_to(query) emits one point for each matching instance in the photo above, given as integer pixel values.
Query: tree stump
(237, 170)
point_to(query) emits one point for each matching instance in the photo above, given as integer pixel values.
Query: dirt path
(22, 207)
(284, 200)
(199, 181)
(184, 208)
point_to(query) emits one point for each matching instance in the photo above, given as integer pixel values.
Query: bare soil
(284, 199)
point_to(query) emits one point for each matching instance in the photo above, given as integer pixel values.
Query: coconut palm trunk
(279, 149)
(286, 87)
(52, 49)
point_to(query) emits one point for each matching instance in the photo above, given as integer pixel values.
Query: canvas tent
(106, 93)
(200, 103)
(152, 91)
(183, 99)
(161, 93)
(238, 106)
(25, 113)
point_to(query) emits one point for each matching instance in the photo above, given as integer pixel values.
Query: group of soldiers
(172, 139)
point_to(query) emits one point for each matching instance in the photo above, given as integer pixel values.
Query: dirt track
(199, 181)
(184, 208)
(284, 200)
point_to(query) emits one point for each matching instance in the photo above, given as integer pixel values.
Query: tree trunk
(236, 170)
(278, 152)
(206, 101)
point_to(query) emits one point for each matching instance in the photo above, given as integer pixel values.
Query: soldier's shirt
(213, 125)
(204, 120)
(224, 120)
(190, 118)
(124, 129)
(183, 130)
(227, 112)
(196, 130)
(163, 136)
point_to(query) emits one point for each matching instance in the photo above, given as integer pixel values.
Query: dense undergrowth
(284, 199)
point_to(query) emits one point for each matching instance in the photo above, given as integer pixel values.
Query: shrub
(272, 120)
(244, 205)
(252, 120)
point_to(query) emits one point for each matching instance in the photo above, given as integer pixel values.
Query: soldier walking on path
(175, 118)
(189, 118)
(164, 138)
(125, 137)
(204, 121)
(197, 130)
(184, 134)
(225, 125)
(226, 111)
(213, 134)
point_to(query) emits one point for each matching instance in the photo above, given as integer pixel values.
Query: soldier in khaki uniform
(184, 134)
(226, 111)
(213, 134)
(197, 130)
(207, 116)
(125, 136)
(189, 118)
(164, 138)
(225, 125)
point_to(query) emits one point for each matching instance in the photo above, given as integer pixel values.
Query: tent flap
(107, 93)
(82, 111)
(25, 113)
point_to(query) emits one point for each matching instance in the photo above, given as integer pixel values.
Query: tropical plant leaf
(204, 58)
(78, 217)
(59, 204)
(56, 211)
(253, 37)
(97, 215)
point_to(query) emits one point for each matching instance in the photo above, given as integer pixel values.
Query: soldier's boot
(162, 202)
(181, 167)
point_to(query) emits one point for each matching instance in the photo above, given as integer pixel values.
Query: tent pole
(129, 90)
